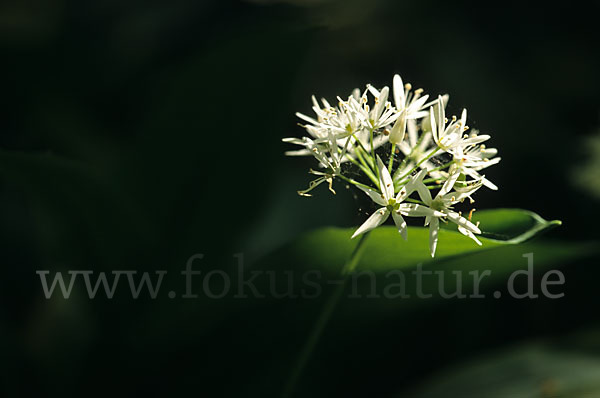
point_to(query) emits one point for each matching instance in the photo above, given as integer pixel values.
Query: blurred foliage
(371, 344)
(531, 370)
(586, 174)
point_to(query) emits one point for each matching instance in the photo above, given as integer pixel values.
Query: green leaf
(328, 248)
(362, 303)
(529, 370)
(510, 225)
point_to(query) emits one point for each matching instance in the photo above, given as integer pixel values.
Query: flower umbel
(403, 151)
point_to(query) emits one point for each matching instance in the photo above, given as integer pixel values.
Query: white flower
(383, 113)
(451, 138)
(389, 200)
(326, 151)
(426, 144)
(415, 149)
(341, 121)
(440, 207)
(412, 104)
(471, 159)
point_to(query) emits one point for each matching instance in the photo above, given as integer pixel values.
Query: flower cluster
(413, 161)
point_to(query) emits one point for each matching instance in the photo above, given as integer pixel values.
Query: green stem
(442, 167)
(323, 319)
(429, 156)
(371, 133)
(365, 170)
(359, 154)
(353, 182)
(411, 200)
(428, 180)
(392, 158)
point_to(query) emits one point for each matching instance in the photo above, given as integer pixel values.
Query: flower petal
(434, 228)
(372, 222)
(400, 224)
(449, 184)
(433, 124)
(385, 180)
(398, 87)
(463, 222)
(398, 130)
(375, 196)
(417, 210)
(470, 234)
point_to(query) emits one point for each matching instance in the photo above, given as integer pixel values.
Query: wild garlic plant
(412, 160)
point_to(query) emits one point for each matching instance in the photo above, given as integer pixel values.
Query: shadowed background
(134, 135)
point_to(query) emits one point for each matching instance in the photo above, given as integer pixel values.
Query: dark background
(134, 135)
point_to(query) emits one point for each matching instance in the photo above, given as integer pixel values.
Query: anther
(386, 132)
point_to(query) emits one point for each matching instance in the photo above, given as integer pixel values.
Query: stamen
(386, 132)
(471, 213)
(407, 86)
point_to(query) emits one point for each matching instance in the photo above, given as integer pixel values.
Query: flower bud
(398, 130)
